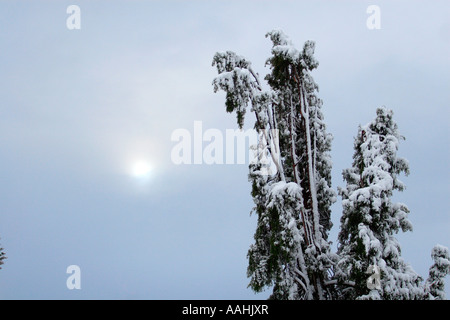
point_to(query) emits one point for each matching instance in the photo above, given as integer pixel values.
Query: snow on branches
(291, 252)
(293, 205)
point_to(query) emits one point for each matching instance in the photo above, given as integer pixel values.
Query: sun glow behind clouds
(141, 169)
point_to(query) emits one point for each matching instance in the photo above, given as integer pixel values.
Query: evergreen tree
(2, 257)
(290, 251)
(438, 271)
(367, 246)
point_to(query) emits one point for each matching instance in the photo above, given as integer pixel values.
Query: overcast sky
(79, 108)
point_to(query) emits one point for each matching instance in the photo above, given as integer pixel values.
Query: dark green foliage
(2, 256)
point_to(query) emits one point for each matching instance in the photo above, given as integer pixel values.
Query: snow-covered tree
(290, 252)
(2, 257)
(369, 254)
(438, 271)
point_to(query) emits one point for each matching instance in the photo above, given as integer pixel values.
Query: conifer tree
(370, 220)
(438, 271)
(290, 252)
(2, 257)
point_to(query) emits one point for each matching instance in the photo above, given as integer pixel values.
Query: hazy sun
(141, 169)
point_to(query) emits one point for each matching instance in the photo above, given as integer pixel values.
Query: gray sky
(80, 107)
